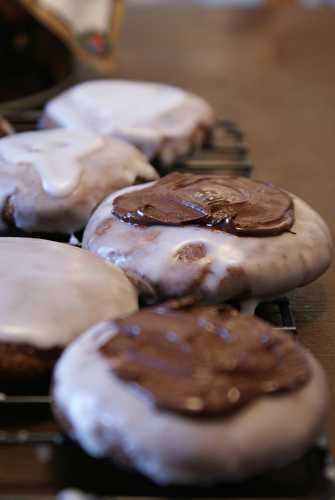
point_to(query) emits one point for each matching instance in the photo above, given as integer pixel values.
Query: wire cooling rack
(38, 461)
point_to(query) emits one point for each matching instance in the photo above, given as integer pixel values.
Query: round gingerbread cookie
(50, 293)
(214, 237)
(191, 394)
(51, 181)
(162, 121)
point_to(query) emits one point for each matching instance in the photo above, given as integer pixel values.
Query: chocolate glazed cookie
(190, 394)
(213, 237)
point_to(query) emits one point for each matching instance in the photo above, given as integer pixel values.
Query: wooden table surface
(273, 71)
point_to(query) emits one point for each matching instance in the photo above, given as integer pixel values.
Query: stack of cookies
(185, 388)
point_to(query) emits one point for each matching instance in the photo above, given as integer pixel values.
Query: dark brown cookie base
(13, 231)
(26, 369)
(201, 137)
(59, 237)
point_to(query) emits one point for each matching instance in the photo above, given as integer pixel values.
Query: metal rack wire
(69, 467)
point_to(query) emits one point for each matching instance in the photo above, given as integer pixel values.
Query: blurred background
(80, 38)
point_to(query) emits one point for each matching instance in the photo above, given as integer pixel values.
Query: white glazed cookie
(51, 181)
(50, 293)
(163, 121)
(111, 416)
(169, 261)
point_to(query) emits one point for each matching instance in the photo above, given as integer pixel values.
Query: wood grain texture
(273, 71)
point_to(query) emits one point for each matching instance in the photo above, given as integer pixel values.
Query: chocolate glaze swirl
(204, 361)
(232, 204)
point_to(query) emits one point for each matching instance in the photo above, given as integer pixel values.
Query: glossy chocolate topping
(233, 204)
(204, 361)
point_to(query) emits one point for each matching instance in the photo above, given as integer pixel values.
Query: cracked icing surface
(161, 120)
(105, 415)
(54, 179)
(51, 292)
(209, 263)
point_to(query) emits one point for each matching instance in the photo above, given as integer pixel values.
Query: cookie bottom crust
(25, 368)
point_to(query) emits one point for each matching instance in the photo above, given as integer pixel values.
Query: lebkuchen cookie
(50, 293)
(162, 121)
(51, 181)
(213, 237)
(190, 394)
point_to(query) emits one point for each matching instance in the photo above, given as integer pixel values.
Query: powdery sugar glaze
(116, 104)
(51, 292)
(212, 264)
(159, 119)
(55, 154)
(51, 181)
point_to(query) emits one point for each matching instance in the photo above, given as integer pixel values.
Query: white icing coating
(51, 292)
(142, 113)
(112, 104)
(116, 104)
(87, 179)
(54, 153)
(271, 265)
(105, 412)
